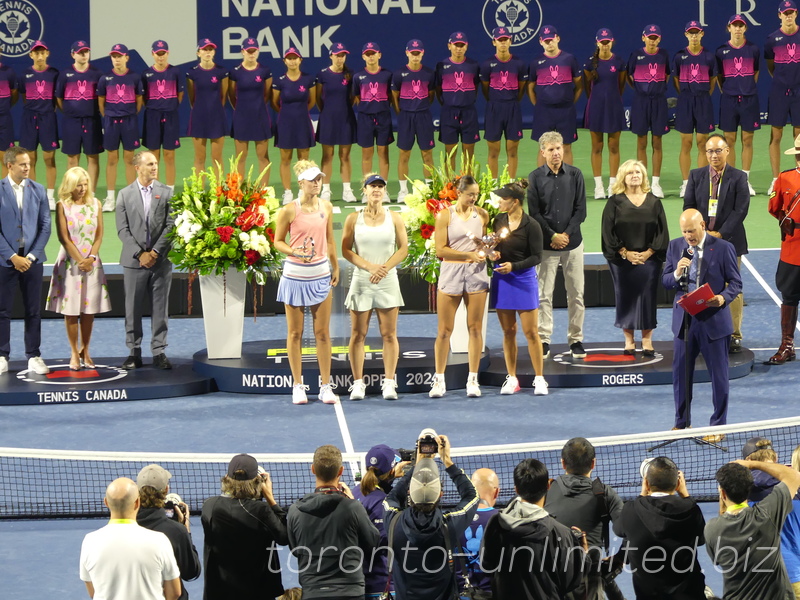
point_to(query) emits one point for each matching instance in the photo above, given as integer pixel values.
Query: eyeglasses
(716, 151)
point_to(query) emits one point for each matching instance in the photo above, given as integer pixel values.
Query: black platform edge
(605, 365)
(105, 383)
(257, 373)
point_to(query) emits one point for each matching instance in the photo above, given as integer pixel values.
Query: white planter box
(223, 313)
(459, 339)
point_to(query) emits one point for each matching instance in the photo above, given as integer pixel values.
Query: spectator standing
(487, 484)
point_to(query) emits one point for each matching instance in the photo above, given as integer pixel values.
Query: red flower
(271, 234)
(436, 206)
(251, 256)
(225, 233)
(426, 231)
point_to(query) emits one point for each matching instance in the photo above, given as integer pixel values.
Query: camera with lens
(406, 454)
(172, 500)
(428, 442)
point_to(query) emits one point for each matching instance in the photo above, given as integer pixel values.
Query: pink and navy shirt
(161, 88)
(373, 91)
(784, 49)
(39, 89)
(78, 92)
(553, 77)
(649, 72)
(458, 82)
(120, 92)
(694, 71)
(414, 88)
(737, 68)
(504, 78)
(8, 83)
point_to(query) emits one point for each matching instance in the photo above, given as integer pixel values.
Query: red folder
(695, 302)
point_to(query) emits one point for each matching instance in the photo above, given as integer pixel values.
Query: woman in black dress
(515, 287)
(635, 238)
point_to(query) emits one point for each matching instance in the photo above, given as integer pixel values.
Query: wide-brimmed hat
(796, 149)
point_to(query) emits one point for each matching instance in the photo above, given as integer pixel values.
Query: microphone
(688, 252)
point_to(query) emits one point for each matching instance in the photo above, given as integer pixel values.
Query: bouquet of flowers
(225, 221)
(426, 201)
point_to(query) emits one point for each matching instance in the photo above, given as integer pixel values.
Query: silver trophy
(308, 249)
(486, 245)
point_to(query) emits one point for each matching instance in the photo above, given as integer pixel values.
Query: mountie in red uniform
(784, 205)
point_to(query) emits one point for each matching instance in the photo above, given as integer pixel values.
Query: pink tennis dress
(72, 291)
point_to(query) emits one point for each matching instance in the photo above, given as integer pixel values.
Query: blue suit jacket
(719, 270)
(734, 202)
(33, 225)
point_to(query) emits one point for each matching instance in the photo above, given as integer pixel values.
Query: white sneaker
(348, 195)
(288, 197)
(357, 391)
(510, 386)
(473, 389)
(539, 386)
(401, 196)
(389, 389)
(682, 191)
(386, 198)
(52, 203)
(751, 189)
(609, 190)
(656, 189)
(299, 394)
(109, 204)
(438, 389)
(326, 195)
(599, 192)
(36, 364)
(327, 396)
(771, 186)
(3, 364)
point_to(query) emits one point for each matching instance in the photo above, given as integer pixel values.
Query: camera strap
(387, 594)
(456, 559)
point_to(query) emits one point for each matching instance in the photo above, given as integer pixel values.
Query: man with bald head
(487, 484)
(124, 560)
(693, 260)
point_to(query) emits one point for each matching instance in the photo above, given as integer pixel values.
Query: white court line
(348, 441)
(764, 284)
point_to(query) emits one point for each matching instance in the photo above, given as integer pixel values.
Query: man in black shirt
(557, 200)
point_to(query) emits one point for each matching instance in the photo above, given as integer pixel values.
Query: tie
(715, 177)
(693, 271)
(146, 199)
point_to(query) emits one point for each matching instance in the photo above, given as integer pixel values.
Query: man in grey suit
(143, 222)
(24, 231)
(719, 191)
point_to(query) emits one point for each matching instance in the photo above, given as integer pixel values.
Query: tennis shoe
(36, 364)
(357, 391)
(326, 394)
(609, 190)
(473, 389)
(751, 189)
(3, 364)
(288, 197)
(325, 195)
(511, 385)
(545, 350)
(386, 198)
(401, 196)
(109, 204)
(577, 350)
(656, 189)
(299, 394)
(539, 386)
(389, 389)
(438, 389)
(348, 195)
(599, 192)
(682, 192)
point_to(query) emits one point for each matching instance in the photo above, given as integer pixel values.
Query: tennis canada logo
(21, 24)
(90, 382)
(605, 358)
(522, 18)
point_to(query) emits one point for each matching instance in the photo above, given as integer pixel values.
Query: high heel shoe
(86, 362)
(74, 364)
(648, 352)
(629, 351)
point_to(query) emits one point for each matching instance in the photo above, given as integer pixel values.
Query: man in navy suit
(24, 231)
(713, 261)
(719, 191)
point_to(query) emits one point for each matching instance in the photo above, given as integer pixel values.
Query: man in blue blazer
(709, 331)
(24, 231)
(719, 191)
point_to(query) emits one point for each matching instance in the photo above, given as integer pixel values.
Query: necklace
(304, 206)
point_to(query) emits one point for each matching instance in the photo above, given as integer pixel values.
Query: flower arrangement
(426, 201)
(225, 221)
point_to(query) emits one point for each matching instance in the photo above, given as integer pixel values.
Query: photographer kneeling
(416, 524)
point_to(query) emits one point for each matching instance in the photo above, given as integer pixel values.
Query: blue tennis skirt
(517, 290)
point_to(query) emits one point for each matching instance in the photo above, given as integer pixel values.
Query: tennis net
(71, 484)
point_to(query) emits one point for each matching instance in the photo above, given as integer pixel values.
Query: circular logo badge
(522, 18)
(605, 358)
(21, 24)
(62, 375)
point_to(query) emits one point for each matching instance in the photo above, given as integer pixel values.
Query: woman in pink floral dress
(78, 288)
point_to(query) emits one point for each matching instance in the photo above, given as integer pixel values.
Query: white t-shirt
(123, 560)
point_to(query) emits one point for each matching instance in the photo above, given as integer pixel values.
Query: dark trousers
(715, 354)
(30, 283)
